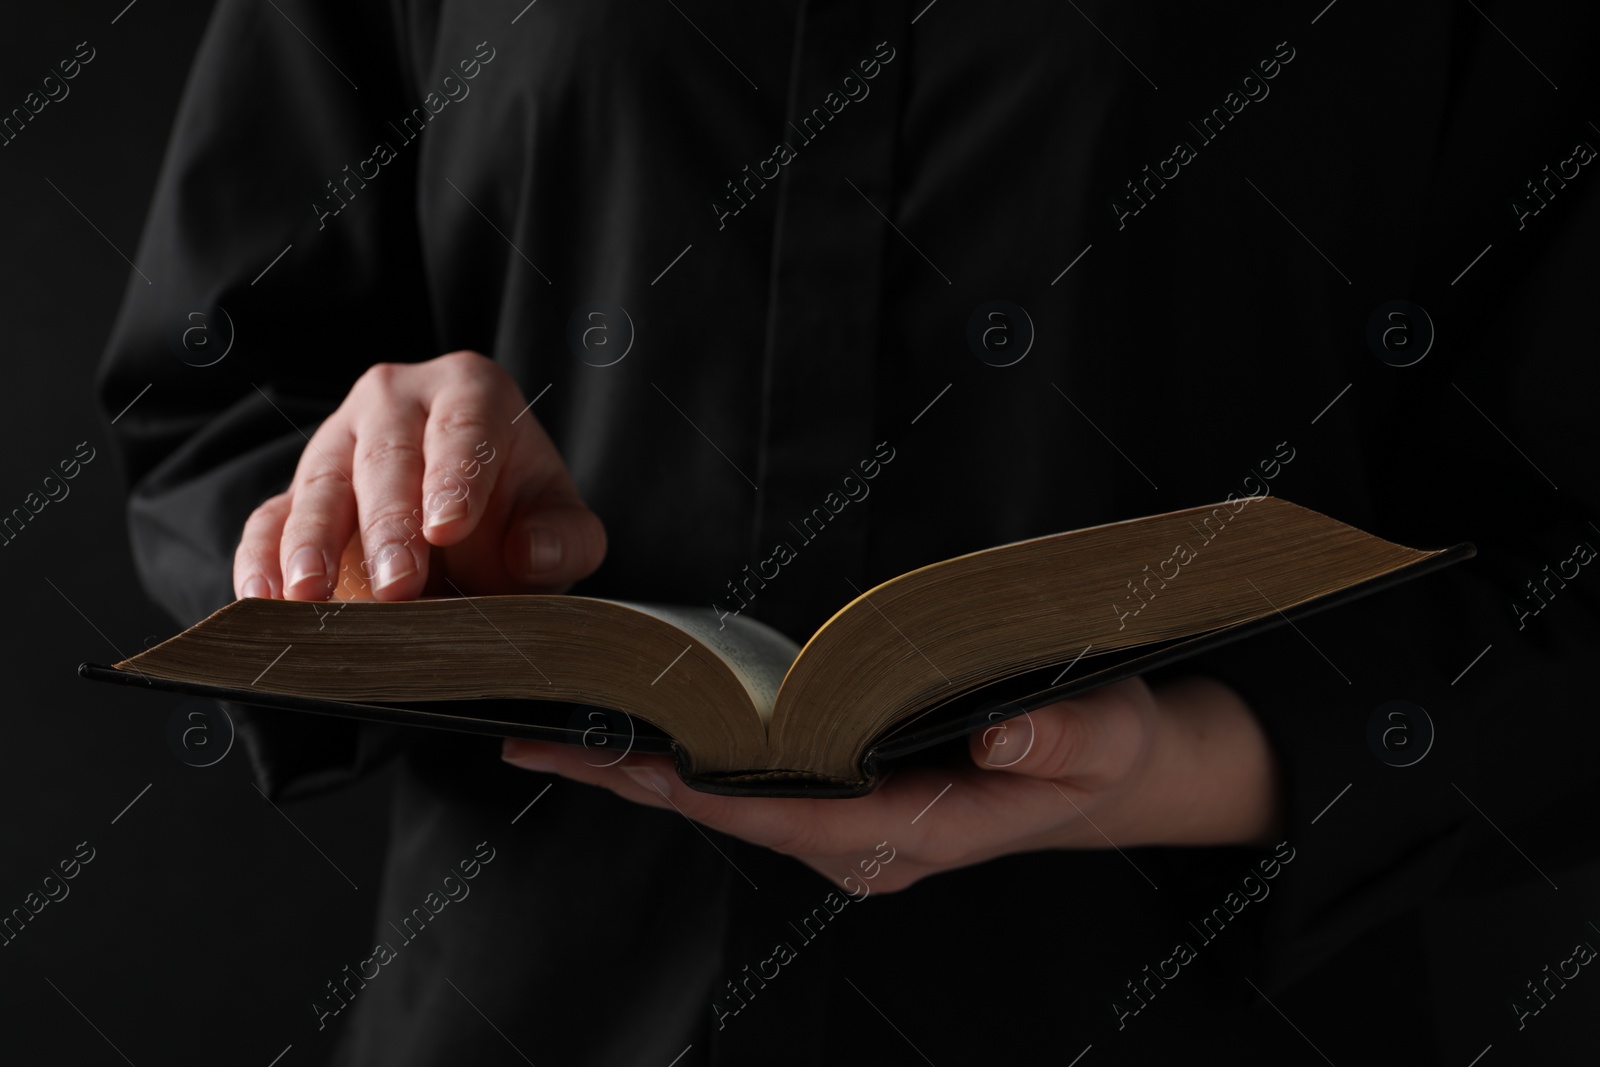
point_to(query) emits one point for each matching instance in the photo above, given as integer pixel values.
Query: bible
(922, 658)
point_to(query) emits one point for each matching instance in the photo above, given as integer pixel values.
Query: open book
(927, 656)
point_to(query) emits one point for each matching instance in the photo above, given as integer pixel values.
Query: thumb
(554, 541)
(1096, 736)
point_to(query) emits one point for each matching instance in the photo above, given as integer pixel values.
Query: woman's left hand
(1122, 766)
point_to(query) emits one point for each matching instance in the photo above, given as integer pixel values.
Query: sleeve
(1490, 440)
(255, 307)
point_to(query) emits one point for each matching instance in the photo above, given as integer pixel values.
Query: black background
(205, 923)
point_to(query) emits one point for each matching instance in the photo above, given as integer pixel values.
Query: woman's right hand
(429, 478)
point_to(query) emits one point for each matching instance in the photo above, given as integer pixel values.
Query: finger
(652, 780)
(932, 818)
(571, 761)
(552, 538)
(1092, 738)
(796, 826)
(388, 489)
(255, 561)
(321, 516)
(467, 432)
(351, 585)
(555, 540)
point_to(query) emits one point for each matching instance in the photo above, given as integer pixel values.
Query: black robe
(794, 221)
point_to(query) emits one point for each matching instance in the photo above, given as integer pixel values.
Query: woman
(658, 277)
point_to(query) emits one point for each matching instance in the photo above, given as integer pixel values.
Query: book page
(759, 655)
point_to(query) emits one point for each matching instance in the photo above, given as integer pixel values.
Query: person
(605, 297)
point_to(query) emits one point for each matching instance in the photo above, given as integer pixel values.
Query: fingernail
(528, 757)
(394, 562)
(306, 563)
(999, 753)
(650, 778)
(546, 553)
(255, 585)
(443, 509)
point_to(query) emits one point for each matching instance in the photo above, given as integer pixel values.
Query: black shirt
(1065, 272)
